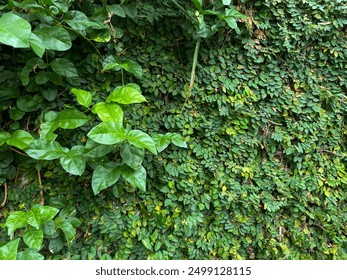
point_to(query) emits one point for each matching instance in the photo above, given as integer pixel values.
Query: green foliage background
(264, 173)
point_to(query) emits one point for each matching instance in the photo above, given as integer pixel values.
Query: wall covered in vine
(256, 165)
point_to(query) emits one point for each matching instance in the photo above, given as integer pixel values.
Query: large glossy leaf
(79, 21)
(64, 67)
(42, 149)
(29, 254)
(109, 112)
(31, 65)
(4, 136)
(73, 162)
(127, 94)
(131, 155)
(161, 142)
(176, 139)
(33, 237)
(141, 140)
(132, 67)
(36, 45)
(53, 37)
(136, 178)
(9, 250)
(68, 230)
(95, 150)
(116, 10)
(28, 103)
(44, 213)
(83, 97)
(20, 139)
(33, 219)
(56, 244)
(47, 131)
(104, 176)
(16, 220)
(71, 119)
(107, 133)
(14, 31)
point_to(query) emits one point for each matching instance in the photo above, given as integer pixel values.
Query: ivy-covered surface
(263, 176)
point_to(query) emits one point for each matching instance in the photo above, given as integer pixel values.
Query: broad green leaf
(176, 139)
(126, 95)
(44, 213)
(29, 254)
(95, 150)
(132, 67)
(16, 220)
(161, 142)
(50, 93)
(131, 155)
(147, 243)
(111, 63)
(53, 37)
(14, 31)
(33, 220)
(64, 67)
(33, 237)
(104, 176)
(28, 103)
(47, 131)
(48, 228)
(36, 45)
(27, 4)
(55, 245)
(234, 13)
(73, 162)
(101, 36)
(68, 230)
(107, 133)
(141, 140)
(4, 136)
(9, 250)
(79, 21)
(226, 2)
(116, 10)
(62, 5)
(46, 150)
(31, 65)
(109, 112)
(20, 139)
(71, 119)
(16, 114)
(198, 4)
(130, 10)
(136, 177)
(41, 78)
(83, 97)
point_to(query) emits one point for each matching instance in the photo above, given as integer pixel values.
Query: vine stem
(84, 37)
(193, 71)
(42, 199)
(5, 196)
(184, 11)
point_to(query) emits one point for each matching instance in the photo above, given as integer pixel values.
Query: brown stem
(5, 196)
(42, 199)
(18, 152)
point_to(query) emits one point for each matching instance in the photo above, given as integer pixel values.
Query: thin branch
(84, 37)
(42, 199)
(18, 152)
(5, 196)
(184, 11)
(275, 123)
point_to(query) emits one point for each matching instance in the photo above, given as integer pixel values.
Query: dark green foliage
(264, 173)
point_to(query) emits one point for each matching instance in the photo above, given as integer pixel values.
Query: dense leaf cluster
(264, 174)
